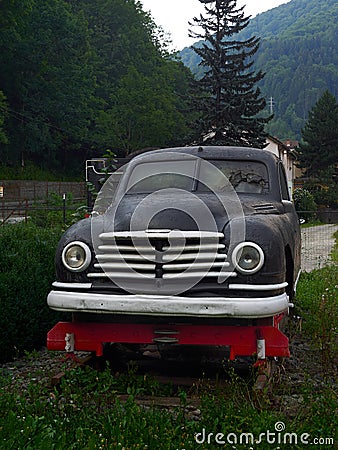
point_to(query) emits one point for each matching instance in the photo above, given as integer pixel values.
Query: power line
(19, 116)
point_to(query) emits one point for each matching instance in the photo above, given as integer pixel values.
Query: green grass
(86, 413)
(334, 253)
(86, 410)
(311, 224)
(317, 304)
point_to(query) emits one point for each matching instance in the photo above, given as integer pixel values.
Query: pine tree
(229, 100)
(318, 151)
(3, 111)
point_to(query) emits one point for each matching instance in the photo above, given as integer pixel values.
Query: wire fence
(20, 199)
(321, 215)
(20, 190)
(317, 244)
(23, 210)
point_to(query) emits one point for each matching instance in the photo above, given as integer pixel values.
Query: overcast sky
(173, 15)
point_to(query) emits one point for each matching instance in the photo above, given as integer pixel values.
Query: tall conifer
(318, 150)
(229, 100)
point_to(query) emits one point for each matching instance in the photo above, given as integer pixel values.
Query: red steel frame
(242, 341)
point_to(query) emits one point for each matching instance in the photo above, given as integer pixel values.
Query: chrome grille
(165, 254)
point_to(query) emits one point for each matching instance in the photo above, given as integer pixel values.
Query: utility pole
(271, 104)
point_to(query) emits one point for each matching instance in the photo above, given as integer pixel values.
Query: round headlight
(248, 257)
(76, 256)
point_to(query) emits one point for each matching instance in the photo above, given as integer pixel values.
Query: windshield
(244, 176)
(154, 176)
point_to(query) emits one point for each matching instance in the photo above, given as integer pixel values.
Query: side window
(283, 183)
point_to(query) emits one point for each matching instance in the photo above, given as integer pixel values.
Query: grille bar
(125, 257)
(107, 266)
(121, 248)
(161, 234)
(195, 256)
(120, 274)
(188, 248)
(196, 266)
(192, 275)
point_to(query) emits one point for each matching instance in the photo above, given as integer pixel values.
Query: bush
(304, 204)
(26, 274)
(325, 193)
(52, 215)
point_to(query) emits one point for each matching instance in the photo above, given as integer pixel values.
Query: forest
(79, 77)
(298, 54)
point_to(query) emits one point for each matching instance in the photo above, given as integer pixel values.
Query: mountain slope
(298, 53)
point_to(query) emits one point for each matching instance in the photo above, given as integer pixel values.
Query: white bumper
(158, 305)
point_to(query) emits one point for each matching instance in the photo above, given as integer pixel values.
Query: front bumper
(262, 341)
(166, 305)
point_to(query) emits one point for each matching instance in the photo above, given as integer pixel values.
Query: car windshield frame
(246, 176)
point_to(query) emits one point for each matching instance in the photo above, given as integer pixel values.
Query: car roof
(212, 152)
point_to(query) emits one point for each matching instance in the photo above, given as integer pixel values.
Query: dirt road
(317, 244)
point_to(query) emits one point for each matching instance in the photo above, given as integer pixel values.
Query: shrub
(324, 188)
(26, 274)
(52, 215)
(304, 204)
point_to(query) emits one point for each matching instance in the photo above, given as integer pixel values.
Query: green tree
(142, 90)
(13, 16)
(3, 110)
(318, 149)
(48, 82)
(81, 76)
(230, 101)
(121, 35)
(145, 112)
(298, 57)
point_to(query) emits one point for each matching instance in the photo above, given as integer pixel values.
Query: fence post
(2, 201)
(64, 207)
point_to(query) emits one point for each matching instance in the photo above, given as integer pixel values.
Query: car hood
(185, 211)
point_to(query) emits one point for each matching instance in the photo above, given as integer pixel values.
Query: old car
(186, 246)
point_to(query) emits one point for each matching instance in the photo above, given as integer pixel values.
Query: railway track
(193, 375)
